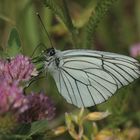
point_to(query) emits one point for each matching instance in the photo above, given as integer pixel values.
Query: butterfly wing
(86, 78)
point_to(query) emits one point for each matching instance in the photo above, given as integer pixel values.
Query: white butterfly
(86, 78)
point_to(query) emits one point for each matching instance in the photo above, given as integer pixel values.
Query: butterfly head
(52, 58)
(49, 55)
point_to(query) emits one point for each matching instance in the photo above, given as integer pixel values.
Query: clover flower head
(11, 97)
(40, 107)
(21, 68)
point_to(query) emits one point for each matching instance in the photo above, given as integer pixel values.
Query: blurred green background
(118, 30)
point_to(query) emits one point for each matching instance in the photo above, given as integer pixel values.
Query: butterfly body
(86, 78)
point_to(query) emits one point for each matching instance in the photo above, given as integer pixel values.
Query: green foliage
(38, 127)
(56, 9)
(27, 131)
(2, 53)
(96, 16)
(14, 38)
(61, 10)
(14, 44)
(89, 29)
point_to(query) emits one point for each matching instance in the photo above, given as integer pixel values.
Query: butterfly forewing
(86, 78)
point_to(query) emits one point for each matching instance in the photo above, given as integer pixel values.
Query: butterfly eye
(51, 51)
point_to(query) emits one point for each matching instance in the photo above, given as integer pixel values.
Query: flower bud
(59, 130)
(95, 116)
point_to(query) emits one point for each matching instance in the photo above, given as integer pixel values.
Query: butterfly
(86, 78)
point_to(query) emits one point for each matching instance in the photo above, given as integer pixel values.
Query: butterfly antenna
(44, 29)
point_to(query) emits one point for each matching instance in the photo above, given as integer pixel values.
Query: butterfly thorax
(52, 59)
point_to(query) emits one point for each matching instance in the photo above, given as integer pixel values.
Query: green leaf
(38, 127)
(95, 18)
(32, 129)
(23, 129)
(14, 44)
